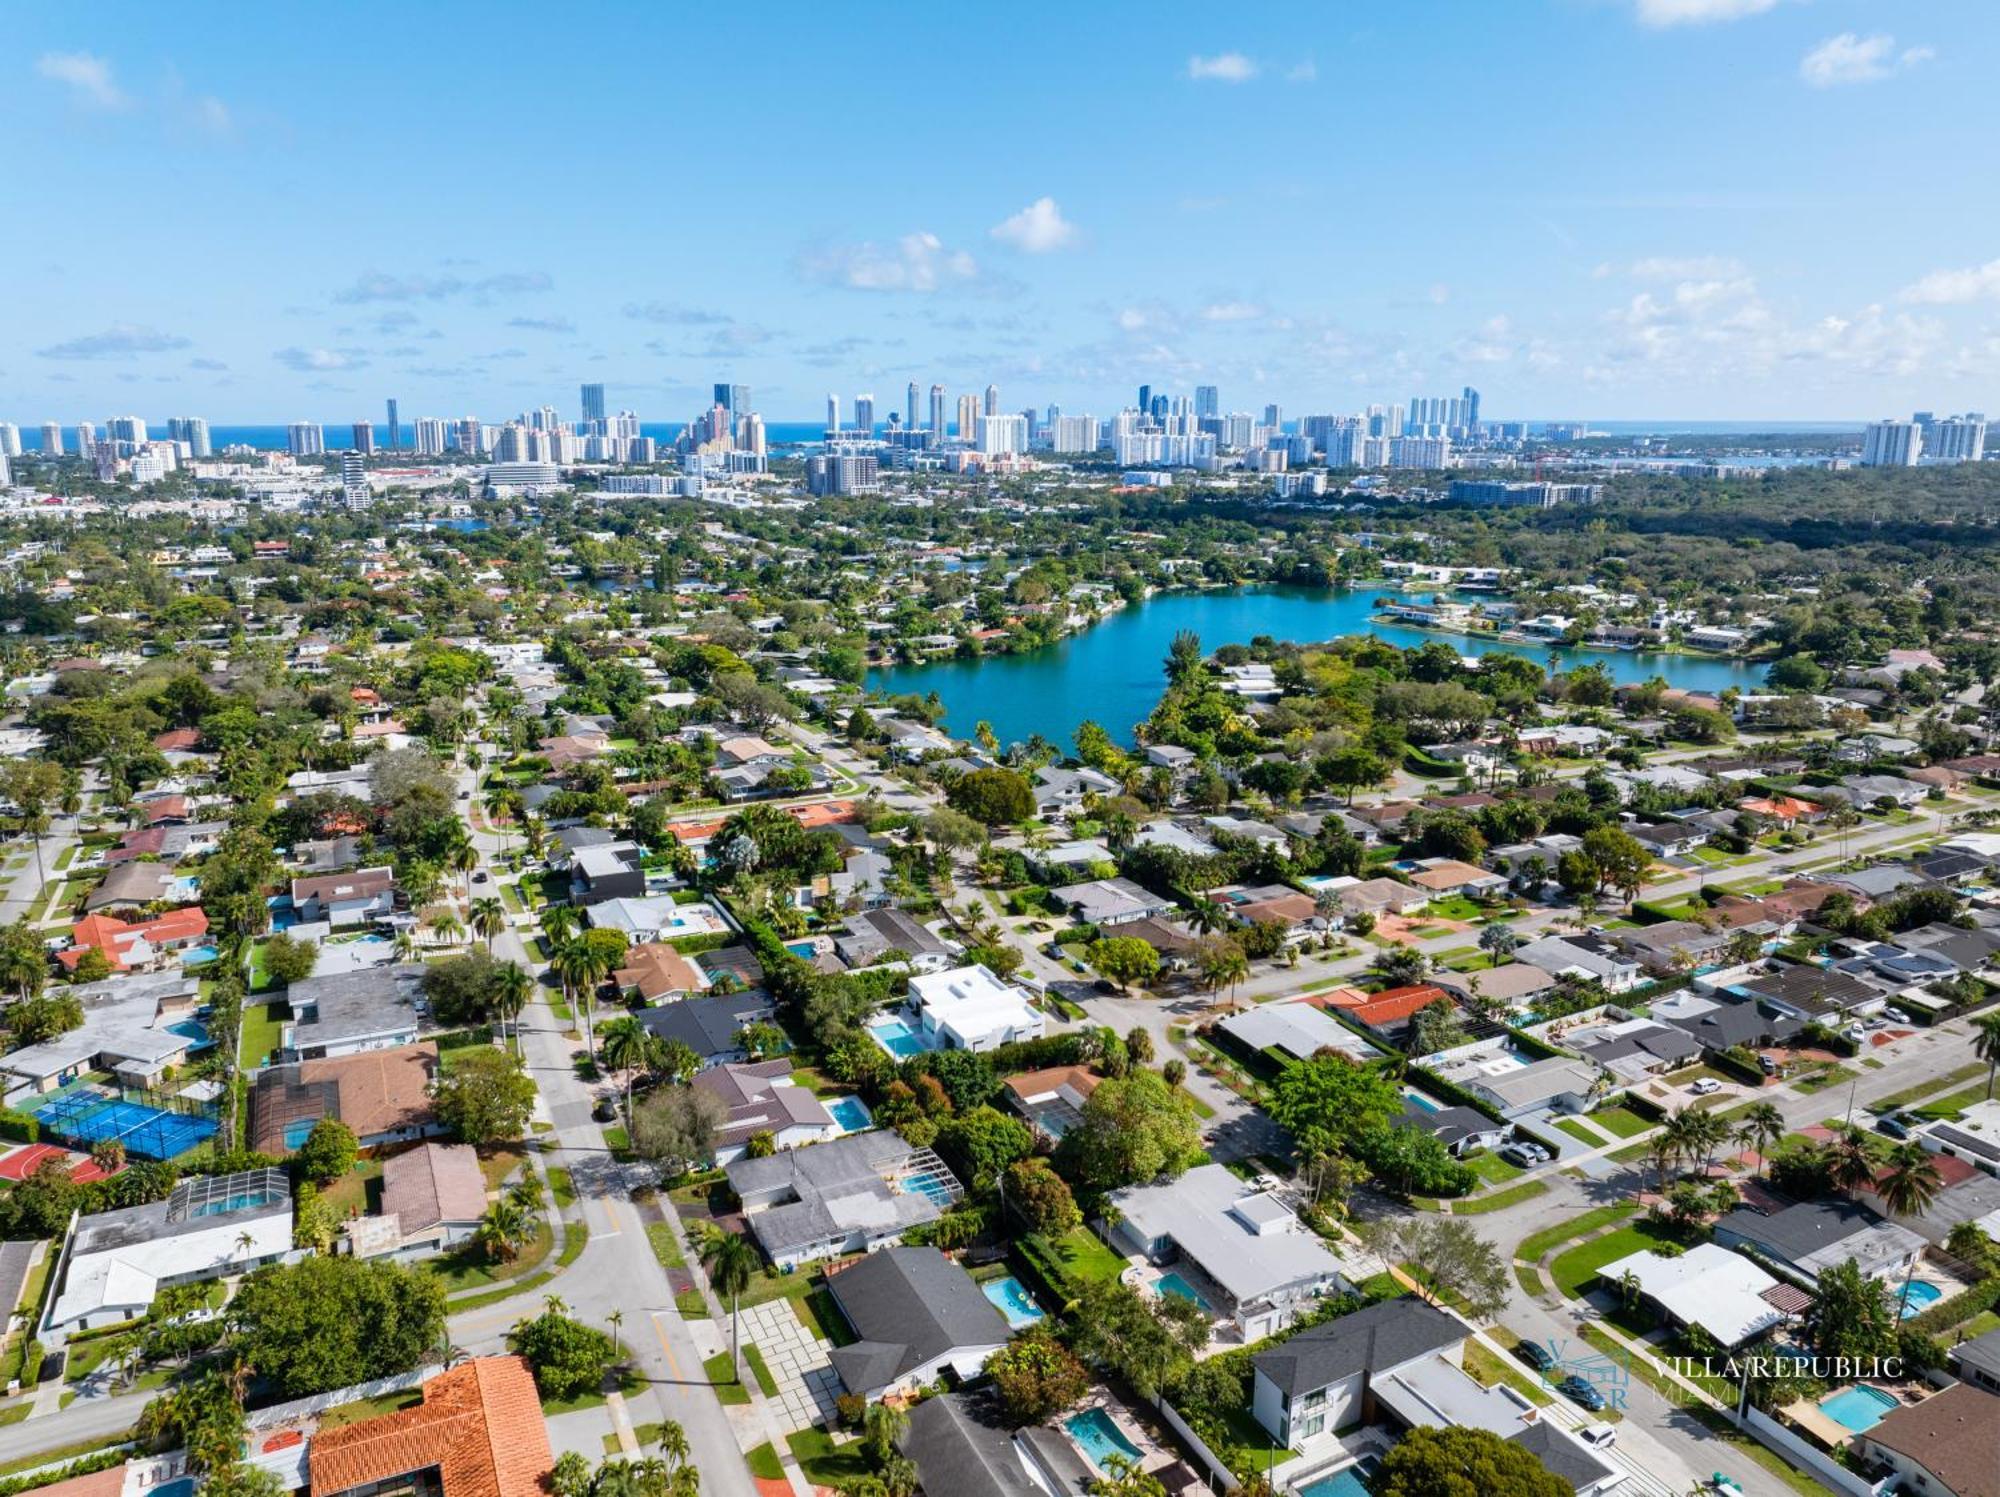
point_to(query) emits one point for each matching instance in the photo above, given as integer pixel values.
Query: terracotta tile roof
(1393, 1005)
(107, 1483)
(114, 937)
(479, 1426)
(181, 740)
(656, 969)
(1026, 1084)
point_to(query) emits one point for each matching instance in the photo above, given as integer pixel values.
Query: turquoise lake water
(1113, 674)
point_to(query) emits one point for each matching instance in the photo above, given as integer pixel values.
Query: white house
(968, 1008)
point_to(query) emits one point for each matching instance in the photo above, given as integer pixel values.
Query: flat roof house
(915, 1314)
(358, 897)
(128, 1029)
(968, 1008)
(857, 1193)
(114, 1262)
(348, 1012)
(1815, 1235)
(1723, 1293)
(1558, 1083)
(612, 871)
(1246, 1242)
(1297, 1029)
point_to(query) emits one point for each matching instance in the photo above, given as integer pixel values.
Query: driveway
(798, 1360)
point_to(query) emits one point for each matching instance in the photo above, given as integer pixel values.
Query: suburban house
(1557, 1084)
(1447, 876)
(1462, 1130)
(658, 973)
(711, 1027)
(1389, 1012)
(1815, 1235)
(432, 1199)
(1633, 1049)
(968, 1008)
(133, 1026)
(612, 870)
(1672, 945)
(375, 1008)
(144, 946)
(1726, 1295)
(359, 897)
(1805, 992)
(1109, 901)
(1515, 984)
(915, 1314)
(1244, 1242)
(1378, 897)
(1059, 790)
(760, 1097)
(1297, 1030)
(383, 1097)
(131, 887)
(962, 1446)
(872, 934)
(1978, 1361)
(1051, 1100)
(208, 1227)
(856, 1193)
(477, 1433)
(1588, 954)
(1946, 1446)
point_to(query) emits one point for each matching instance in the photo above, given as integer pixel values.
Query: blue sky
(1587, 208)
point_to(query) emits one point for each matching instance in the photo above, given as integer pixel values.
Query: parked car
(1895, 1016)
(479, 877)
(1603, 1436)
(1770, 1066)
(1856, 1032)
(1581, 1393)
(1536, 1355)
(1893, 1126)
(1525, 1154)
(1707, 1086)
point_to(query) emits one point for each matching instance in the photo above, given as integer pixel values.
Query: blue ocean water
(340, 434)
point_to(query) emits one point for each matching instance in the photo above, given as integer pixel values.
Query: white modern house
(968, 1008)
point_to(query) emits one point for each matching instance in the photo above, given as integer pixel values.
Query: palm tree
(1912, 1182)
(560, 922)
(1761, 1126)
(406, 945)
(1850, 1163)
(628, 1046)
(616, 1320)
(1986, 1045)
(489, 918)
(730, 1263)
(504, 1229)
(576, 968)
(511, 992)
(447, 926)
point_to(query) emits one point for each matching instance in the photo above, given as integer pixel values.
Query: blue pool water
(897, 1038)
(194, 1030)
(1348, 1481)
(1418, 1099)
(296, 1133)
(934, 1186)
(1919, 1297)
(1858, 1408)
(1173, 1283)
(1099, 1438)
(1011, 1299)
(851, 1113)
(802, 949)
(195, 956)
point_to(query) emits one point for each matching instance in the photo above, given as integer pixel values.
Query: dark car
(605, 1111)
(1892, 1125)
(1577, 1391)
(1536, 1355)
(1105, 985)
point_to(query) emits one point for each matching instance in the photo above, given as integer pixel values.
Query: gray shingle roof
(1372, 1339)
(908, 1306)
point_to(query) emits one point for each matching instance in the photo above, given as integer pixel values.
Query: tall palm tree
(489, 918)
(730, 1263)
(1912, 1182)
(505, 1229)
(447, 926)
(628, 1047)
(576, 967)
(1850, 1163)
(1986, 1045)
(511, 991)
(1761, 1126)
(560, 922)
(464, 858)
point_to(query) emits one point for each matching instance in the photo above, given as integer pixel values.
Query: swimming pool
(851, 1113)
(895, 1036)
(1173, 1283)
(1919, 1297)
(195, 956)
(804, 950)
(1010, 1298)
(1348, 1481)
(194, 1031)
(1859, 1408)
(1419, 1100)
(1098, 1437)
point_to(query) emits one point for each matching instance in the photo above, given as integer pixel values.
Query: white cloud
(1036, 229)
(121, 340)
(318, 360)
(1848, 58)
(87, 76)
(1231, 311)
(1956, 287)
(377, 286)
(1224, 67)
(1689, 267)
(915, 262)
(1699, 12)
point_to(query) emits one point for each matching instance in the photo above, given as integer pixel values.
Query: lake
(1113, 673)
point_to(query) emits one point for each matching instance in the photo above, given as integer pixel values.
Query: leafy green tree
(1149, 1342)
(1040, 1198)
(1329, 1101)
(1036, 1376)
(288, 960)
(325, 1323)
(1132, 1129)
(486, 1097)
(1852, 1315)
(983, 1142)
(1463, 1461)
(328, 1153)
(676, 1126)
(993, 797)
(569, 1359)
(1125, 960)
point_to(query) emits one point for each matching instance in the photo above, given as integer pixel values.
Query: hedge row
(1958, 1309)
(21, 1127)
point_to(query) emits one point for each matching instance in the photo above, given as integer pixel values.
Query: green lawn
(1081, 1255)
(723, 1379)
(1532, 1248)
(820, 1315)
(1952, 1105)
(754, 1360)
(765, 1464)
(370, 1408)
(665, 1246)
(1923, 1089)
(1579, 1132)
(262, 1030)
(1575, 1270)
(1491, 1168)
(1486, 1369)
(1621, 1121)
(825, 1463)
(469, 1268)
(1499, 1200)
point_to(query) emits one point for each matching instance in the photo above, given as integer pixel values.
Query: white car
(1603, 1436)
(1706, 1086)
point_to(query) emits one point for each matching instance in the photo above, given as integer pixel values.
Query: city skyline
(1312, 211)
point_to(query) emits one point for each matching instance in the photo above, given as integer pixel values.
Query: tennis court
(92, 1117)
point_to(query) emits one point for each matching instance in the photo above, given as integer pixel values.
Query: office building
(52, 445)
(354, 480)
(471, 437)
(842, 473)
(1002, 433)
(395, 429)
(1237, 430)
(734, 399)
(431, 435)
(1145, 399)
(1956, 439)
(1536, 495)
(864, 415)
(1274, 417)
(832, 413)
(750, 435)
(192, 430)
(1207, 401)
(1385, 421)
(968, 418)
(992, 401)
(86, 440)
(128, 429)
(937, 415)
(362, 439)
(6, 471)
(1470, 397)
(1891, 444)
(593, 402)
(305, 439)
(10, 439)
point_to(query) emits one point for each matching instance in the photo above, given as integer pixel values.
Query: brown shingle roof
(375, 1092)
(479, 1426)
(433, 1183)
(1954, 1435)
